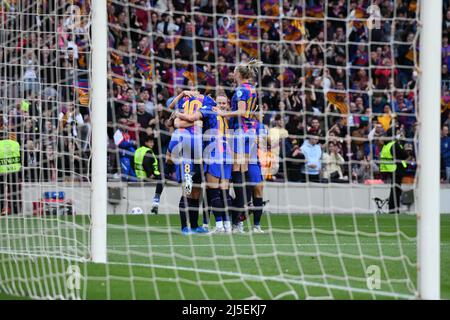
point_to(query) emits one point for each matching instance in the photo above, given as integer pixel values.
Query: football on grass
(137, 210)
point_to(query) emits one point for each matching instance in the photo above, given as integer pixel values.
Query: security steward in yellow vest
(146, 166)
(145, 161)
(392, 167)
(10, 175)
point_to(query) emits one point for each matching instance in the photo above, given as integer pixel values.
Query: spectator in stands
(68, 160)
(143, 58)
(354, 119)
(295, 162)
(332, 163)
(30, 75)
(30, 162)
(127, 148)
(30, 130)
(148, 104)
(377, 131)
(385, 120)
(49, 162)
(411, 164)
(15, 118)
(269, 163)
(277, 137)
(359, 138)
(445, 74)
(317, 128)
(368, 170)
(69, 120)
(125, 111)
(447, 121)
(313, 154)
(405, 110)
(378, 104)
(349, 152)
(445, 152)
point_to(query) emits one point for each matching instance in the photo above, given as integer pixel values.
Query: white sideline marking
(113, 246)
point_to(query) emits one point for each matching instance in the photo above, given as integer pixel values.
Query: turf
(300, 256)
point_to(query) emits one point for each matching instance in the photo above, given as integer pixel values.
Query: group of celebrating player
(220, 150)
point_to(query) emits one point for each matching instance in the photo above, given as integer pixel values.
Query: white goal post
(428, 255)
(99, 133)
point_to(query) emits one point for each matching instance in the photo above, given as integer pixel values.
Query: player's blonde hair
(247, 70)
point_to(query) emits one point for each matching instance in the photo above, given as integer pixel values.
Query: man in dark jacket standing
(146, 167)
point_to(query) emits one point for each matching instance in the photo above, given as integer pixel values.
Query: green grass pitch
(301, 256)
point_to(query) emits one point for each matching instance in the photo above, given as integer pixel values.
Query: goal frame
(428, 197)
(428, 213)
(99, 101)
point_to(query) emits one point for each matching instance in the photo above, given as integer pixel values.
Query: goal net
(44, 108)
(338, 82)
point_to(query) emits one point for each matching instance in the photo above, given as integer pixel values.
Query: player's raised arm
(182, 124)
(240, 112)
(189, 117)
(185, 93)
(207, 103)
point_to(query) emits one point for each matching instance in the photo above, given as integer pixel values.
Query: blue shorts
(185, 145)
(254, 174)
(244, 143)
(240, 145)
(221, 171)
(126, 167)
(188, 167)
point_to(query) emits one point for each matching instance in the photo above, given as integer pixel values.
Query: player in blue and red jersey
(243, 106)
(217, 159)
(255, 181)
(185, 150)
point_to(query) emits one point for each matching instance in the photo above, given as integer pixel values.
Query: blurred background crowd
(325, 72)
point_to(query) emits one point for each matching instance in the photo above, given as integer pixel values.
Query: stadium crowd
(328, 90)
